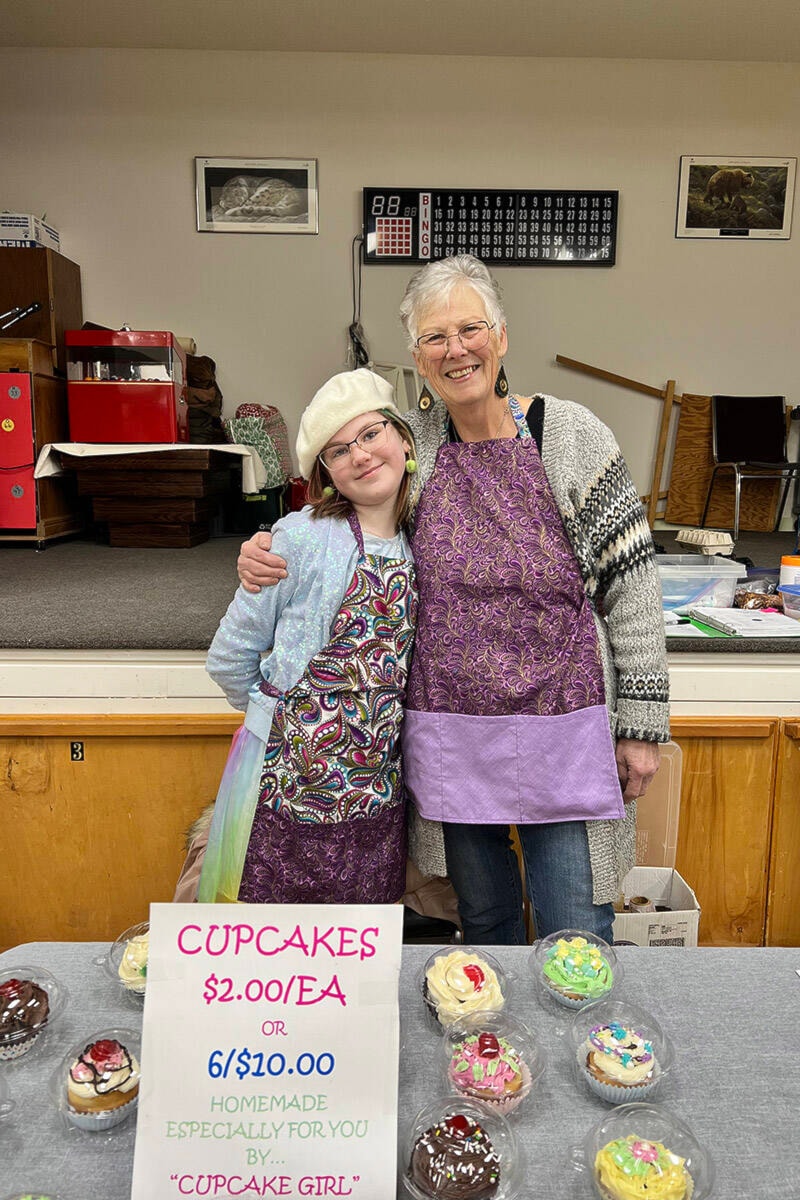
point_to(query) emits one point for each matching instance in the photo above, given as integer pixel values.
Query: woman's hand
(256, 566)
(637, 763)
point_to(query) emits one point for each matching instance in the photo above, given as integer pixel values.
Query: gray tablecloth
(732, 1014)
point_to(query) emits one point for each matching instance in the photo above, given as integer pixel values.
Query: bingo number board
(511, 228)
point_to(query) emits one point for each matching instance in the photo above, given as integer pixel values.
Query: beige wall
(104, 141)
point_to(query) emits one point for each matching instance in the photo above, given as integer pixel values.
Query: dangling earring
(425, 398)
(411, 466)
(501, 383)
(328, 492)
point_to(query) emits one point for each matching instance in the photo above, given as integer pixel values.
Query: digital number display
(512, 228)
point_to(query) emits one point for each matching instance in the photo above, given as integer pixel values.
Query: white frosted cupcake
(619, 1063)
(102, 1085)
(460, 983)
(132, 969)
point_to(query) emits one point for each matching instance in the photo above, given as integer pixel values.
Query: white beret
(343, 397)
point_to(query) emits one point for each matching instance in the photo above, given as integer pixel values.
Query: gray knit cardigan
(606, 524)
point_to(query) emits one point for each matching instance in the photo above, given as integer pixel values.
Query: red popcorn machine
(126, 386)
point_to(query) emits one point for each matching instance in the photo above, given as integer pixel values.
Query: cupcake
(455, 1160)
(132, 969)
(631, 1168)
(102, 1085)
(577, 971)
(619, 1063)
(488, 1068)
(460, 983)
(24, 1009)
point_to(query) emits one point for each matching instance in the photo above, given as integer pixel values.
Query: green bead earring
(411, 466)
(328, 492)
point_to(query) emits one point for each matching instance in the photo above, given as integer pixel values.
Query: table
(732, 1014)
(160, 495)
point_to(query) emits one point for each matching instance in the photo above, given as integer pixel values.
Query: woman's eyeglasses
(473, 336)
(371, 438)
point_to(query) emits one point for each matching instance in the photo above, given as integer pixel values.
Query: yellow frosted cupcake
(632, 1168)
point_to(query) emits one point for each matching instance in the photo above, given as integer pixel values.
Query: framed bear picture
(735, 197)
(256, 195)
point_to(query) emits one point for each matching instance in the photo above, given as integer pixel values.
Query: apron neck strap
(355, 525)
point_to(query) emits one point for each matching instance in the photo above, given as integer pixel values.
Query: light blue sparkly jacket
(275, 633)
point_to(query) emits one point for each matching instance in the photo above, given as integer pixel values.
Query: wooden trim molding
(724, 727)
(74, 725)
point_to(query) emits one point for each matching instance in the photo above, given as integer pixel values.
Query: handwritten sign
(270, 1052)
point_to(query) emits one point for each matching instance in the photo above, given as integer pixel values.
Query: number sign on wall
(509, 228)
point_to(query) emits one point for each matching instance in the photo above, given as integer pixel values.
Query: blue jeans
(485, 874)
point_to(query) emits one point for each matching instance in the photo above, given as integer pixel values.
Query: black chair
(749, 438)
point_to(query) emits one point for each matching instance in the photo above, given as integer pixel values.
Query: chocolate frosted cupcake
(102, 1085)
(455, 1160)
(24, 1010)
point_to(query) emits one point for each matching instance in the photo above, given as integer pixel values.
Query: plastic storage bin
(791, 599)
(687, 579)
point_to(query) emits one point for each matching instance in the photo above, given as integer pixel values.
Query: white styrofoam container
(24, 229)
(657, 816)
(687, 580)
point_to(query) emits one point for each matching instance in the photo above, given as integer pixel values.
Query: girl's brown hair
(340, 506)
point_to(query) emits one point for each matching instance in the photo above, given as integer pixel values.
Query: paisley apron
(330, 824)
(506, 720)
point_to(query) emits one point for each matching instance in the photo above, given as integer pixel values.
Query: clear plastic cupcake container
(638, 1141)
(492, 1057)
(621, 1052)
(7, 1105)
(458, 1139)
(31, 1001)
(34, 1194)
(96, 1086)
(126, 961)
(459, 981)
(574, 968)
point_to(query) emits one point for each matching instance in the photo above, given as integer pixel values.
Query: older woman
(538, 689)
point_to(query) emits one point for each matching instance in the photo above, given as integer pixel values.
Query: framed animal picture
(735, 197)
(256, 195)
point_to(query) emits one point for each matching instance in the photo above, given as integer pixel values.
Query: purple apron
(330, 824)
(506, 720)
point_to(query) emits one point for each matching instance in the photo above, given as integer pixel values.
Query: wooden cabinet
(94, 812)
(33, 412)
(727, 790)
(29, 275)
(783, 906)
(94, 832)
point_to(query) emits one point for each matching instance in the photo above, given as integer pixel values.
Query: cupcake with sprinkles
(494, 1058)
(458, 1149)
(622, 1054)
(643, 1151)
(619, 1063)
(634, 1168)
(575, 968)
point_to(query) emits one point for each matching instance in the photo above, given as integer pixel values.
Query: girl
(310, 808)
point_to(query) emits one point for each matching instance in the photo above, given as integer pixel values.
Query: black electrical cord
(358, 351)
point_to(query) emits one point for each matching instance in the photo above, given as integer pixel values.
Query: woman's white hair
(433, 283)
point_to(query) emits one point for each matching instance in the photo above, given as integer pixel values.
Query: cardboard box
(654, 876)
(24, 229)
(662, 885)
